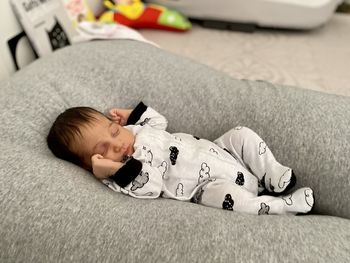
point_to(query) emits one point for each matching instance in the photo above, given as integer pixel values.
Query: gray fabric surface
(52, 211)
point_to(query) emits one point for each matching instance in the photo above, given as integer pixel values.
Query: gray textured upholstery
(53, 211)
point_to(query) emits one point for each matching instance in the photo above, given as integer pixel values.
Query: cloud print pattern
(225, 173)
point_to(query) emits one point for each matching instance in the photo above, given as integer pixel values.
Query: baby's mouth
(126, 154)
(129, 150)
(125, 158)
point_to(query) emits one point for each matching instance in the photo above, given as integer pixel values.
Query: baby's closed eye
(115, 131)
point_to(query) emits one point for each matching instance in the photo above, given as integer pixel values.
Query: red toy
(135, 14)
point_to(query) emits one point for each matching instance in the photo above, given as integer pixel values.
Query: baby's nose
(118, 147)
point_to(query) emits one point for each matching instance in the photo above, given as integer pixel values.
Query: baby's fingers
(96, 157)
(114, 115)
(113, 112)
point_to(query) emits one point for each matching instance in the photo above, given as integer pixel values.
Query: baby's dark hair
(65, 131)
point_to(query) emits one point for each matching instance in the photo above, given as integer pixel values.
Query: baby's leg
(227, 195)
(249, 149)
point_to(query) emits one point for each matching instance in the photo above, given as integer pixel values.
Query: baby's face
(107, 138)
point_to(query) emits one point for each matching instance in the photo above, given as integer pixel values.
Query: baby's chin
(130, 150)
(125, 158)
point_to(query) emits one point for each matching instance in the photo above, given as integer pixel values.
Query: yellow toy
(136, 14)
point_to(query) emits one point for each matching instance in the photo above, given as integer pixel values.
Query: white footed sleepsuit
(228, 173)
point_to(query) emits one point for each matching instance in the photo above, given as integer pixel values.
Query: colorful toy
(135, 14)
(78, 10)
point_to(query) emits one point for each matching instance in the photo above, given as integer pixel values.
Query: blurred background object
(246, 15)
(344, 7)
(262, 55)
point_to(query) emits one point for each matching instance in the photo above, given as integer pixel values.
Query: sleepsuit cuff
(127, 173)
(136, 113)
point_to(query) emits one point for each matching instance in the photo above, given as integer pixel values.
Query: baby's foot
(280, 179)
(300, 201)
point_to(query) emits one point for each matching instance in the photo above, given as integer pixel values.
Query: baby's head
(81, 132)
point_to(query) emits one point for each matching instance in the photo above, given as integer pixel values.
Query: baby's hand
(119, 115)
(103, 168)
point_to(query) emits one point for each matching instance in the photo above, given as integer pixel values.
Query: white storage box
(291, 14)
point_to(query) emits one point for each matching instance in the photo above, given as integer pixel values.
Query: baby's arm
(103, 168)
(120, 116)
(144, 115)
(141, 115)
(135, 178)
(139, 179)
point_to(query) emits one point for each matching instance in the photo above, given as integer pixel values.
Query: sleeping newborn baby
(131, 152)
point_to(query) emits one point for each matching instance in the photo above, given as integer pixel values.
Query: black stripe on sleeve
(127, 173)
(136, 113)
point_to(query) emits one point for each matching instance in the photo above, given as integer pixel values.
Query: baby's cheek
(121, 157)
